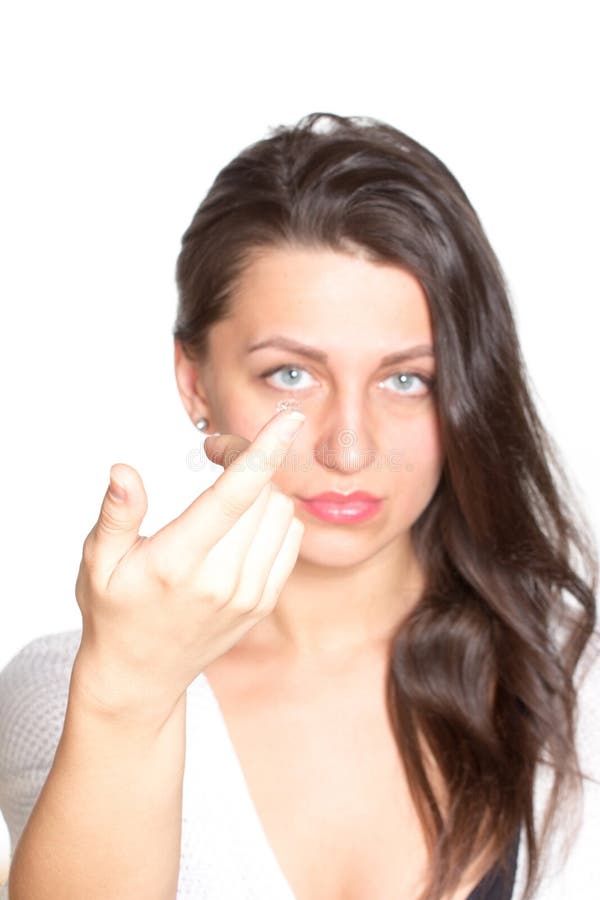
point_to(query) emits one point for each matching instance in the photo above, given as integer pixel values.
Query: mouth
(342, 496)
(338, 508)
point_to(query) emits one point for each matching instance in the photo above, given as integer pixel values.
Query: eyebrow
(278, 340)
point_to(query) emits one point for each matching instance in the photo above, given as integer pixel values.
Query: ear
(191, 384)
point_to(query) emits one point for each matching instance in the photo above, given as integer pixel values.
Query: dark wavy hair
(481, 674)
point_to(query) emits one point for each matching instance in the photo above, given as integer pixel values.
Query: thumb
(124, 506)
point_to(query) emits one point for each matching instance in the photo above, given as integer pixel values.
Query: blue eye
(407, 380)
(287, 384)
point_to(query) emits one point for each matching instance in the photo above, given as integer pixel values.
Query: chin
(337, 551)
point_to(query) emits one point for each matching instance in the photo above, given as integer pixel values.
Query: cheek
(417, 465)
(242, 409)
(241, 418)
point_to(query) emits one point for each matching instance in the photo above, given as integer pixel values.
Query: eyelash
(426, 379)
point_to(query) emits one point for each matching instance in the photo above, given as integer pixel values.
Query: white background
(116, 117)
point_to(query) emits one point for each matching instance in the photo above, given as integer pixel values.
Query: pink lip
(339, 509)
(338, 497)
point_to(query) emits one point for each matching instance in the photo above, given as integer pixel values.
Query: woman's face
(371, 425)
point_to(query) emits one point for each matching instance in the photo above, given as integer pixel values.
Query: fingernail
(116, 491)
(290, 425)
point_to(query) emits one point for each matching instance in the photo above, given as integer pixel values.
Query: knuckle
(269, 599)
(88, 554)
(89, 574)
(162, 569)
(161, 562)
(220, 588)
(244, 603)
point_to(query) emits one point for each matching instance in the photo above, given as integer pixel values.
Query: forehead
(330, 299)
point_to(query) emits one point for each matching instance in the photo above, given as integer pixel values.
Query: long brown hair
(481, 675)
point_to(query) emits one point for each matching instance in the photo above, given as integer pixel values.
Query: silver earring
(201, 424)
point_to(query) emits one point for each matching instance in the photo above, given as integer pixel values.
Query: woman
(391, 664)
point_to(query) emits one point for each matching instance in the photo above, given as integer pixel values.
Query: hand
(157, 610)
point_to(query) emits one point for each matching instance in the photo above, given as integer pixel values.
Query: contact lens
(289, 404)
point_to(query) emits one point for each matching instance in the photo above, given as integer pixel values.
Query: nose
(344, 442)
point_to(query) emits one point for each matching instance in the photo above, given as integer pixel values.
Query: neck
(330, 613)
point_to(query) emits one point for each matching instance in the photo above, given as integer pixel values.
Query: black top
(496, 885)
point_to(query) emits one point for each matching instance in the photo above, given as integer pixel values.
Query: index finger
(239, 485)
